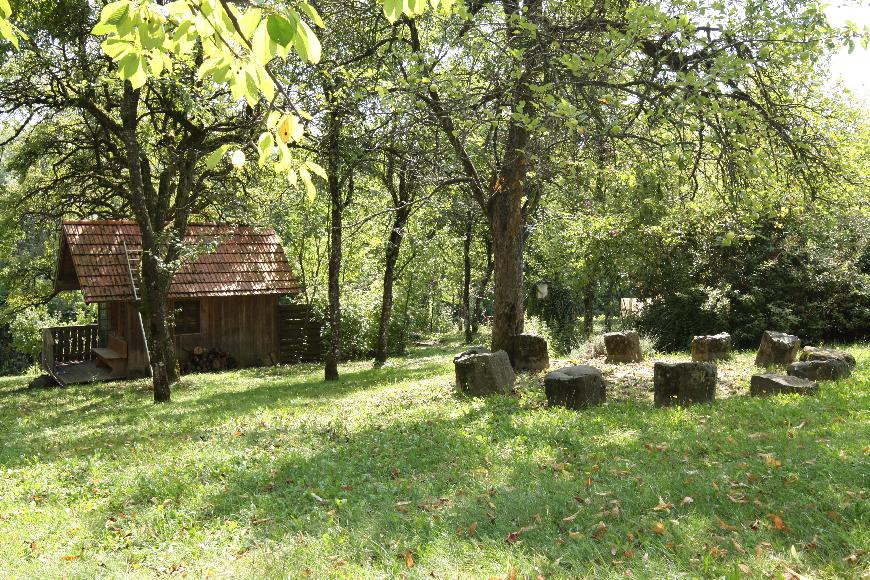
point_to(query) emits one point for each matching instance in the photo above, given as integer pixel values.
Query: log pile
(203, 360)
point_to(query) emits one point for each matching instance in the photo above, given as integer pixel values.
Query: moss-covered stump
(528, 352)
(811, 353)
(819, 370)
(575, 387)
(777, 349)
(773, 384)
(480, 372)
(712, 347)
(683, 383)
(623, 347)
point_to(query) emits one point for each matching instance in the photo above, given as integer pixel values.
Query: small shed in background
(226, 298)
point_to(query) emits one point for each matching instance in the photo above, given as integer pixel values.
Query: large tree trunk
(394, 244)
(505, 206)
(506, 227)
(333, 351)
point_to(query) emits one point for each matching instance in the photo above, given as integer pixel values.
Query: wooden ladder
(134, 266)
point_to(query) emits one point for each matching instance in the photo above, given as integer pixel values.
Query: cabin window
(187, 317)
(103, 323)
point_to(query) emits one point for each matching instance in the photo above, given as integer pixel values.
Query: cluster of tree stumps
(480, 372)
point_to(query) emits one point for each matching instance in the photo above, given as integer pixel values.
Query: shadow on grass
(114, 414)
(537, 483)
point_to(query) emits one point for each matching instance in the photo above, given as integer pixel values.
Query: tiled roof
(244, 261)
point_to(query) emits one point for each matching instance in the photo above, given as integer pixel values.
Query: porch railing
(68, 344)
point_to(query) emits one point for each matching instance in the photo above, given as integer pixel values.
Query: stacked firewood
(203, 360)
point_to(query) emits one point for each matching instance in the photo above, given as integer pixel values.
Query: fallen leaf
(569, 519)
(771, 460)
(745, 569)
(663, 506)
(687, 500)
(599, 530)
(789, 574)
(69, 558)
(471, 528)
(726, 526)
(409, 559)
(777, 522)
(659, 528)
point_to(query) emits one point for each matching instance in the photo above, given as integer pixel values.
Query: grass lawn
(274, 473)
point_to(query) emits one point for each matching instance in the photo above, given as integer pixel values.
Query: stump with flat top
(683, 383)
(819, 370)
(575, 387)
(528, 353)
(810, 353)
(773, 384)
(480, 372)
(711, 347)
(623, 347)
(777, 348)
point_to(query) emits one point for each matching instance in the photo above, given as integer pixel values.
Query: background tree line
(685, 153)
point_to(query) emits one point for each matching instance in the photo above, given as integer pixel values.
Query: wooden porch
(68, 354)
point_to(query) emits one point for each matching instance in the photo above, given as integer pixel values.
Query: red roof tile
(245, 261)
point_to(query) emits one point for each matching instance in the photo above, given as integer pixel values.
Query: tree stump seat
(811, 353)
(777, 349)
(480, 372)
(623, 347)
(773, 384)
(683, 383)
(819, 370)
(711, 347)
(575, 387)
(528, 352)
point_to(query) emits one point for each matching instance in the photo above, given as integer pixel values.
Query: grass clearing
(274, 473)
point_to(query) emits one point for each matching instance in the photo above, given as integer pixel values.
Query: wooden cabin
(226, 297)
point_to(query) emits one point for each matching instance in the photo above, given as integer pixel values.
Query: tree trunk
(394, 244)
(505, 224)
(466, 281)
(161, 346)
(588, 313)
(481, 289)
(333, 351)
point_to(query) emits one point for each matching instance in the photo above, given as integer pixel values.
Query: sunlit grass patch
(275, 473)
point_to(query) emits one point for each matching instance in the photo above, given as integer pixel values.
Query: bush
(774, 279)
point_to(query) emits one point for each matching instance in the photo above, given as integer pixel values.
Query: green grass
(274, 473)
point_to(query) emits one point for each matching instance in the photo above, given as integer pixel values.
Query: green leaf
(393, 9)
(306, 43)
(310, 190)
(115, 48)
(265, 145)
(111, 17)
(280, 29)
(5, 9)
(263, 47)
(312, 13)
(132, 68)
(316, 169)
(215, 156)
(249, 21)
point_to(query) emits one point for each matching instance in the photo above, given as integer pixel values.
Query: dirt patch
(635, 380)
